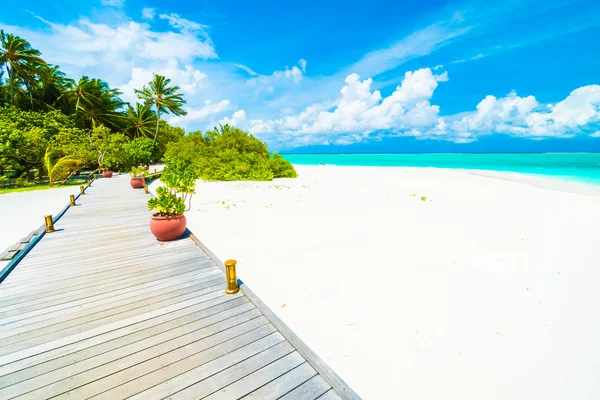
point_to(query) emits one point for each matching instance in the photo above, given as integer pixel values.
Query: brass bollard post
(49, 223)
(89, 182)
(72, 200)
(81, 190)
(232, 285)
(146, 189)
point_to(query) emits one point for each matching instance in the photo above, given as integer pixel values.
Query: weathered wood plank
(207, 379)
(311, 389)
(285, 383)
(177, 326)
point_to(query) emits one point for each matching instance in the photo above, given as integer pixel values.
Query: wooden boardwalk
(100, 309)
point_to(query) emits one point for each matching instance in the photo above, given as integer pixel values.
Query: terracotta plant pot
(137, 183)
(167, 228)
(107, 174)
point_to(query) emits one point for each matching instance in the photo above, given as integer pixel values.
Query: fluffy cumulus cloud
(189, 79)
(148, 13)
(238, 119)
(578, 113)
(122, 46)
(278, 78)
(361, 114)
(360, 110)
(200, 115)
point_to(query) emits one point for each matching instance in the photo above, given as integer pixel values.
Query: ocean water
(584, 167)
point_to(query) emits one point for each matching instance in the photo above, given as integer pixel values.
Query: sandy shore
(23, 212)
(488, 289)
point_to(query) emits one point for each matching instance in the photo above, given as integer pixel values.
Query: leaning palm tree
(164, 98)
(20, 60)
(140, 120)
(63, 168)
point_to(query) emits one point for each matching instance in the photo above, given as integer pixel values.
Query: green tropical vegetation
(179, 186)
(52, 127)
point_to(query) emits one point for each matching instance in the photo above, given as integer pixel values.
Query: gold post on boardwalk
(232, 285)
(146, 189)
(72, 200)
(81, 190)
(89, 182)
(49, 223)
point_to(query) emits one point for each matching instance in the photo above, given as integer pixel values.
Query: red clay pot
(137, 183)
(107, 174)
(167, 228)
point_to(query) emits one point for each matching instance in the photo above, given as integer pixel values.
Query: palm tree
(63, 168)
(140, 120)
(51, 87)
(20, 60)
(164, 98)
(78, 92)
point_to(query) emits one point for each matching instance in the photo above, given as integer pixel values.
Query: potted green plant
(169, 222)
(137, 177)
(106, 173)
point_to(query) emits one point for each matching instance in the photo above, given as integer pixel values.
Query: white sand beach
(23, 212)
(488, 289)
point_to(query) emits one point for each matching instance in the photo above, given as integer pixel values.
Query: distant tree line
(46, 116)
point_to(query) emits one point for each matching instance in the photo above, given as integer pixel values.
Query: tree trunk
(157, 122)
(11, 80)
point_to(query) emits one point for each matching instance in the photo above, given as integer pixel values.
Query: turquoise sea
(572, 166)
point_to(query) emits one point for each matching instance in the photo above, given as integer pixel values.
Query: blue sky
(347, 76)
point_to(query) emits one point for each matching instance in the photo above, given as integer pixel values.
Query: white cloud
(189, 79)
(238, 119)
(302, 64)
(525, 117)
(183, 24)
(148, 13)
(113, 3)
(283, 77)
(95, 47)
(201, 114)
(361, 113)
(247, 69)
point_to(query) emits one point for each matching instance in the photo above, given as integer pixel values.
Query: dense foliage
(179, 186)
(228, 153)
(52, 126)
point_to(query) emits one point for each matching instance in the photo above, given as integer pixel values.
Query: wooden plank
(331, 395)
(23, 304)
(142, 355)
(49, 311)
(311, 389)
(107, 306)
(176, 376)
(52, 332)
(206, 379)
(175, 326)
(285, 383)
(111, 330)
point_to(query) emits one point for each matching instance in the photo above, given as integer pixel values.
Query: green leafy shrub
(228, 154)
(139, 151)
(3, 180)
(138, 172)
(170, 200)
